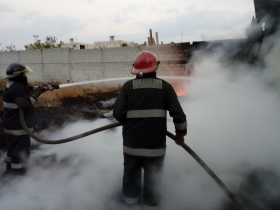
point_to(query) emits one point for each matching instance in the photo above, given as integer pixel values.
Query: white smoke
(233, 123)
(108, 103)
(271, 52)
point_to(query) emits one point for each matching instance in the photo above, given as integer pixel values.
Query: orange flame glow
(179, 88)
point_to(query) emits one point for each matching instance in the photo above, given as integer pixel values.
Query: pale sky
(130, 20)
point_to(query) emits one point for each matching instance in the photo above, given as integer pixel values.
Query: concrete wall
(93, 64)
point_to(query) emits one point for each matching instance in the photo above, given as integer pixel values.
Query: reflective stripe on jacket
(141, 107)
(17, 132)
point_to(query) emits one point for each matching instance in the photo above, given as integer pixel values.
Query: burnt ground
(88, 107)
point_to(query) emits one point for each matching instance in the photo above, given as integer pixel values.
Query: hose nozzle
(51, 87)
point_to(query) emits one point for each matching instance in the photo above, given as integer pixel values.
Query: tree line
(47, 43)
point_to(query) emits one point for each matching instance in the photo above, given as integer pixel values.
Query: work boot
(8, 165)
(130, 201)
(6, 173)
(151, 200)
(14, 172)
(151, 207)
(18, 172)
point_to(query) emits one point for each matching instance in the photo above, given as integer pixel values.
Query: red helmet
(145, 62)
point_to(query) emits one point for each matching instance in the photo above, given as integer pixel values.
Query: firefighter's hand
(38, 91)
(180, 138)
(51, 87)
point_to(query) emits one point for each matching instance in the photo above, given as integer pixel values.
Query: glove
(38, 91)
(47, 86)
(51, 87)
(181, 138)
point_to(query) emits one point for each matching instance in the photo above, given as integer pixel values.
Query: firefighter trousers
(153, 167)
(18, 151)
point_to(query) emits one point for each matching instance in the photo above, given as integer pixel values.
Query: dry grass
(54, 98)
(2, 83)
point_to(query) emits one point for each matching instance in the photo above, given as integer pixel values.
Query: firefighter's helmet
(16, 69)
(145, 62)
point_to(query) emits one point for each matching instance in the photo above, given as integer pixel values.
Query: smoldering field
(233, 125)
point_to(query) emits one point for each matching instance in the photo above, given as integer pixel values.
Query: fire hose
(170, 135)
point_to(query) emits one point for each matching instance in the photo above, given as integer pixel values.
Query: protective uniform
(141, 108)
(18, 94)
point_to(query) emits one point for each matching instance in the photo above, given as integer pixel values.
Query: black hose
(170, 135)
(61, 141)
(208, 170)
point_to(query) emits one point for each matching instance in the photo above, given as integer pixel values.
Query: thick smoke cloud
(233, 116)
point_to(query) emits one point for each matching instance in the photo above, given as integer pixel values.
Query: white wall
(92, 64)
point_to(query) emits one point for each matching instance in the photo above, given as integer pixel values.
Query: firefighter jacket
(141, 108)
(16, 96)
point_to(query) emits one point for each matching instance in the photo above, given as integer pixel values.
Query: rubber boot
(19, 172)
(8, 165)
(6, 173)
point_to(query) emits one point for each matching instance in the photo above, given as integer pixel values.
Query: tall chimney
(157, 37)
(151, 37)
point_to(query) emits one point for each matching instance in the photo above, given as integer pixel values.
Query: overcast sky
(95, 20)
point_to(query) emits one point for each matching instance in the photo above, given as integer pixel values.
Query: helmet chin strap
(141, 74)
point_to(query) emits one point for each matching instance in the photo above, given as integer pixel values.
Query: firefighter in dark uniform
(141, 108)
(18, 94)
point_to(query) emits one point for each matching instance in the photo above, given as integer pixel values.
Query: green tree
(49, 42)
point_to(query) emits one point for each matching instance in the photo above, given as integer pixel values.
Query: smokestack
(151, 37)
(157, 37)
(149, 40)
